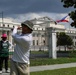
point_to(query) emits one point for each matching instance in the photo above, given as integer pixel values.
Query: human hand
(11, 29)
(19, 28)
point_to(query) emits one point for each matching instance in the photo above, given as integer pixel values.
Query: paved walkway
(47, 67)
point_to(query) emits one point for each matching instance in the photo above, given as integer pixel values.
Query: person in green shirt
(4, 52)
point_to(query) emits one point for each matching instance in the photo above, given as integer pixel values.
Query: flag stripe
(64, 19)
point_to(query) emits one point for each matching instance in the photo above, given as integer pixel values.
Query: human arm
(21, 38)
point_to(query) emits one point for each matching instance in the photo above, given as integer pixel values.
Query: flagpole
(69, 26)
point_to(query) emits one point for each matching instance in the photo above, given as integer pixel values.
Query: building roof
(46, 22)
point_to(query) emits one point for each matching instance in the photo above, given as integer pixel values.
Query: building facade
(40, 33)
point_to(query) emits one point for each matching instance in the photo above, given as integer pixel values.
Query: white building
(39, 33)
(5, 27)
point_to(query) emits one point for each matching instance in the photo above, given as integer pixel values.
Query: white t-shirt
(22, 47)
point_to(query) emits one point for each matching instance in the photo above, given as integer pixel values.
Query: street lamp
(2, 23)
(2, 16)
(2, 20)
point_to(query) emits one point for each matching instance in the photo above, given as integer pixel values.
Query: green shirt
(4, 48)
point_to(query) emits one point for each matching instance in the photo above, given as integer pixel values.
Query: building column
(9, 36)
(0, 34)
(51, 41)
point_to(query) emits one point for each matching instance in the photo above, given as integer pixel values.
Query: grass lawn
(65, 71)
(49, 61)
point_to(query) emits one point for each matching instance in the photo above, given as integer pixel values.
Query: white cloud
(28, 16)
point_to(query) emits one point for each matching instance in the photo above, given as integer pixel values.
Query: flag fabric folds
(64, 19)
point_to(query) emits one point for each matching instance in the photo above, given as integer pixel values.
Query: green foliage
(64, 39)
(72, 14)
(39, 52)
(69, 3)
(72, 54)
(50, 61)
(69, 41)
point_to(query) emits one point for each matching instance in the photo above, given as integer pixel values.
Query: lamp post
(2, 17)
(2, 20)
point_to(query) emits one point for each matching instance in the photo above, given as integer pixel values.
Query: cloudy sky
(21, 10)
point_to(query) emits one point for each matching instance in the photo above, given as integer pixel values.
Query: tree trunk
(65, 47)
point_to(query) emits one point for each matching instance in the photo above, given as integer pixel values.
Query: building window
(42, 35)
(33, 42)
(38, 35)
(75, 43)
(3, 25)
(44, 42)
(42, 29)
(37, 42)
(33, 35)
(8, 25)
(13, 26)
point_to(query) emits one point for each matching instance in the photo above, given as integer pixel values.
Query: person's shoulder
(0, 40)
(29, 35)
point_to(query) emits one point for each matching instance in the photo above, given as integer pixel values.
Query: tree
(72, 14)
(64, 40)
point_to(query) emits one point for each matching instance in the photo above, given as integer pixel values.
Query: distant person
(20, 59)
(4, 52)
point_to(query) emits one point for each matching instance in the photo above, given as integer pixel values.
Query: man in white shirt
(20, 59)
